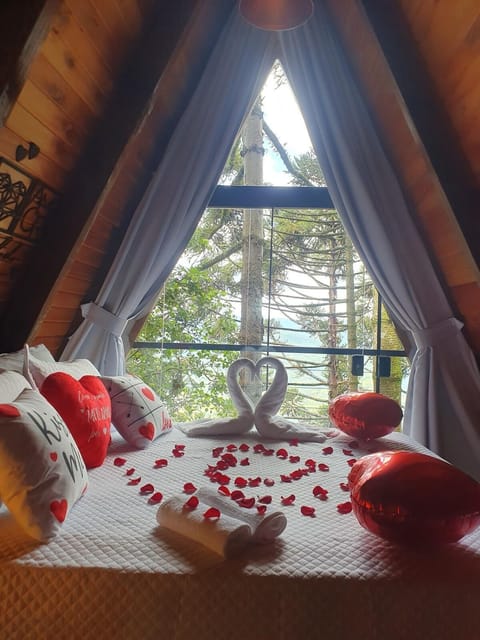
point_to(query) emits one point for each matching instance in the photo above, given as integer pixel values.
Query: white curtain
(178, 193)
(442, 409)
(443, 400)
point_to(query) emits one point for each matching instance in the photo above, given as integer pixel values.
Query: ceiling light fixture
(276, 15)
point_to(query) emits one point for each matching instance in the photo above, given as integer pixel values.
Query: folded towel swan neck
(273, 426)
(227, 426)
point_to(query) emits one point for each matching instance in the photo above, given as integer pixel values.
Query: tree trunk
(251, 326)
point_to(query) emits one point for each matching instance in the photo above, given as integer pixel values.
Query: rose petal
(119, 462)
(285, 478)
(347, 452)
(345, 507)
(268, 452)
(351, 462)
(147, 488)
(323, 467)
(288, 500)
(231, 447)
(307, 511)
(244, 447)
(217, 451)
(191, 503)
(298, 473)
(319, 491)
(212, 513)
(225, 491)
(240, 482)
(130, 472)
(156, 498)
(180, 447)
(254, 482)
(177, 453)
(246, 503)
(237, 494)
(259, 448)
(282, 453)
(294, 459)
(134, 481)
(344, 486)
(327, 451)
(310, 463)
(189, 488)
(269, 482)
(245, 462)
(261, 509)
(161, 462)
(265, 499)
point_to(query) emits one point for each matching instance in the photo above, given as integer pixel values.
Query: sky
(283, 115)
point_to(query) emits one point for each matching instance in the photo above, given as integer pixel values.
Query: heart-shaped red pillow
(413, 498)
(365, 416)
(86, 408)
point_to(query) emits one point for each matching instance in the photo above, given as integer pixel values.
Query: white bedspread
(113, 573)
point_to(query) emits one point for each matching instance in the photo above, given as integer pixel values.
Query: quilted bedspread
(114, 573)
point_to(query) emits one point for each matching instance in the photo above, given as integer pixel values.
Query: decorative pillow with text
(42, 473)
(138, 414)
(85, 406)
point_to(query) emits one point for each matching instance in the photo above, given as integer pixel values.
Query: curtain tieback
(437, 333)
(103, 318)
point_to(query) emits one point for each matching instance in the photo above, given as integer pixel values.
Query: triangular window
(269, 270)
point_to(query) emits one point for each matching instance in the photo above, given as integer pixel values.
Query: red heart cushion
(365, 415)
(86, 408)
(413, 498)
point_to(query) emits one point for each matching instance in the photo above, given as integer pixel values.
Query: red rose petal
(347, 452)
(268, 452)
(147, 488)
(189, 488)
(161, 462)
(134, 481)
(310, 463)
(285, 478)
(212, 514)
(217, 451)
(230, 459)
(254, 482)
(344, 486)
(327, 451)
(246, 503)
(180, 447)
(345, 507)
(351, 462)
(307, 511)
(261, 509)
(288, 500)
(323, 467)
(269, 482)
(177, 453)
(244, 447)
(130, 472)
(259, 448)
(265, 499)
(237, 495)
(240, 482)
(156, 498)
(245, 462)
(282, 453)
(225, 491)
(231, 447)
(298, 473)
(191, 503)
(294, 459)
(119, 462)
(319, 491)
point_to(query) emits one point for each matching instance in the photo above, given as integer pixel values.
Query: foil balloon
(365, 415)
(413, 498)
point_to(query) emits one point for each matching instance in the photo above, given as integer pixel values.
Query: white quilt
(113, 573)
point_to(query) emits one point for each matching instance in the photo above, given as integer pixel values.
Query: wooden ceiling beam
(428, 116)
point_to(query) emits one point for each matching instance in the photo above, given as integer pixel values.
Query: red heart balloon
(413, 498)
(365, 416)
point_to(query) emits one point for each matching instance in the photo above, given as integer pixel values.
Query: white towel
(265, 528)
(225, 536)
(271, 425)
(227, 426)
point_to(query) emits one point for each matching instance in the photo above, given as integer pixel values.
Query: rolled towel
(227, 426)
(225, 536)
(265, 528)
(269, 424)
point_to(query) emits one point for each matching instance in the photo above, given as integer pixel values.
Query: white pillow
(16, 361)
(42, 473)
(11, 385)
(138, 414)
(38, 369)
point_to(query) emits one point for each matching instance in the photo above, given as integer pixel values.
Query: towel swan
(267, 422)
(227, 426)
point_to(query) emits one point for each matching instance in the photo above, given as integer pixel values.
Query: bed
(114, 573)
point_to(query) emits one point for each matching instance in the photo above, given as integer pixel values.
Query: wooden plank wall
(66, 88)
(447, 243)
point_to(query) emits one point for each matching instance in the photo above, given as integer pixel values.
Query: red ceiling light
(276, 15)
